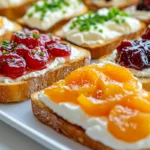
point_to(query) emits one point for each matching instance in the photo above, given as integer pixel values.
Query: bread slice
(57, 26)
(18, 11)
(106, 48)
(145, 81)
(93, 6)
(48, 117)
(8, 33)
(20, 91)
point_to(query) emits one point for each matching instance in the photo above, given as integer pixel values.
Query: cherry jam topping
(135, 54)
(29, 50)
(144, 5)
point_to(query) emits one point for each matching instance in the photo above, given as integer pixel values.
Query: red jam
(135, 54)
(144, 5)
(30, 50)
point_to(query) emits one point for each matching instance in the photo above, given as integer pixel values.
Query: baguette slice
(48, 117)
(18, 11)
(106, 48)
(20, 91)
(145, 81)
(93, 6)
(57, 26)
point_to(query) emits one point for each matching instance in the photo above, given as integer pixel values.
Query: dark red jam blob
(136, 56)
(12, 65)
(58, 49)
(144, 5)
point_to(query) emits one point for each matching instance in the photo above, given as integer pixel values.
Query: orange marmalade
(108, 91)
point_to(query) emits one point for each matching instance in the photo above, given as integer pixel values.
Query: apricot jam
(108, 91)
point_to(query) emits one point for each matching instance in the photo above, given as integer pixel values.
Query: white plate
(20, 117)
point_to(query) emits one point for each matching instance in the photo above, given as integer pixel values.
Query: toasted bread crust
(8, 34)
(92, 6)
(57, 26)
(20, 91)
(106, 48)
(60, 125)
(15, 12)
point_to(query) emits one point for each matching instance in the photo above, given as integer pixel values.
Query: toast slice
(18, 91)
(76, 133)
(13, 12)
(57, 23)
(100, 50)
(7, 28)
(111, 58)
(94, 6)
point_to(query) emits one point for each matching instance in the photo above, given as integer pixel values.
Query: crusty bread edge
(15, 12)
(145, 81)
(95, 7)
(60, 125)
(20, 91)
(106, 48)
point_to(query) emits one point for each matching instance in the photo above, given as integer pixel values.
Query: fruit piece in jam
(31, 47)
(37, 58)
(128, 125)
(12, 65)
(58, 49)
(111, 91)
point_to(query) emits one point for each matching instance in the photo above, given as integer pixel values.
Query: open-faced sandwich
(140, 11)
(7, 28)
(100, 106)
(14, 9)
(134, 55)
(33, 61)
(102, 31)
(96, 4)
(52, 14)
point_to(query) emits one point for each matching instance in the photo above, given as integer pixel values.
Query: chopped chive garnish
(84, 22)
(5, 44)
(42, 53)
(13, 59)
(5, 52)
(54, 5)
(36, 36)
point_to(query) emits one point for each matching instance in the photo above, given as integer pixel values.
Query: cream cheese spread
(110, 30)
(74, 8)
(12, 3)
(95, 127)
(75, 54)
(142, 15)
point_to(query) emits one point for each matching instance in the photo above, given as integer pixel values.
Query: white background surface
(10, 139)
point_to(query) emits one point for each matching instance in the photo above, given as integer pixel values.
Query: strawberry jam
(135, 54)
(29, 51)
